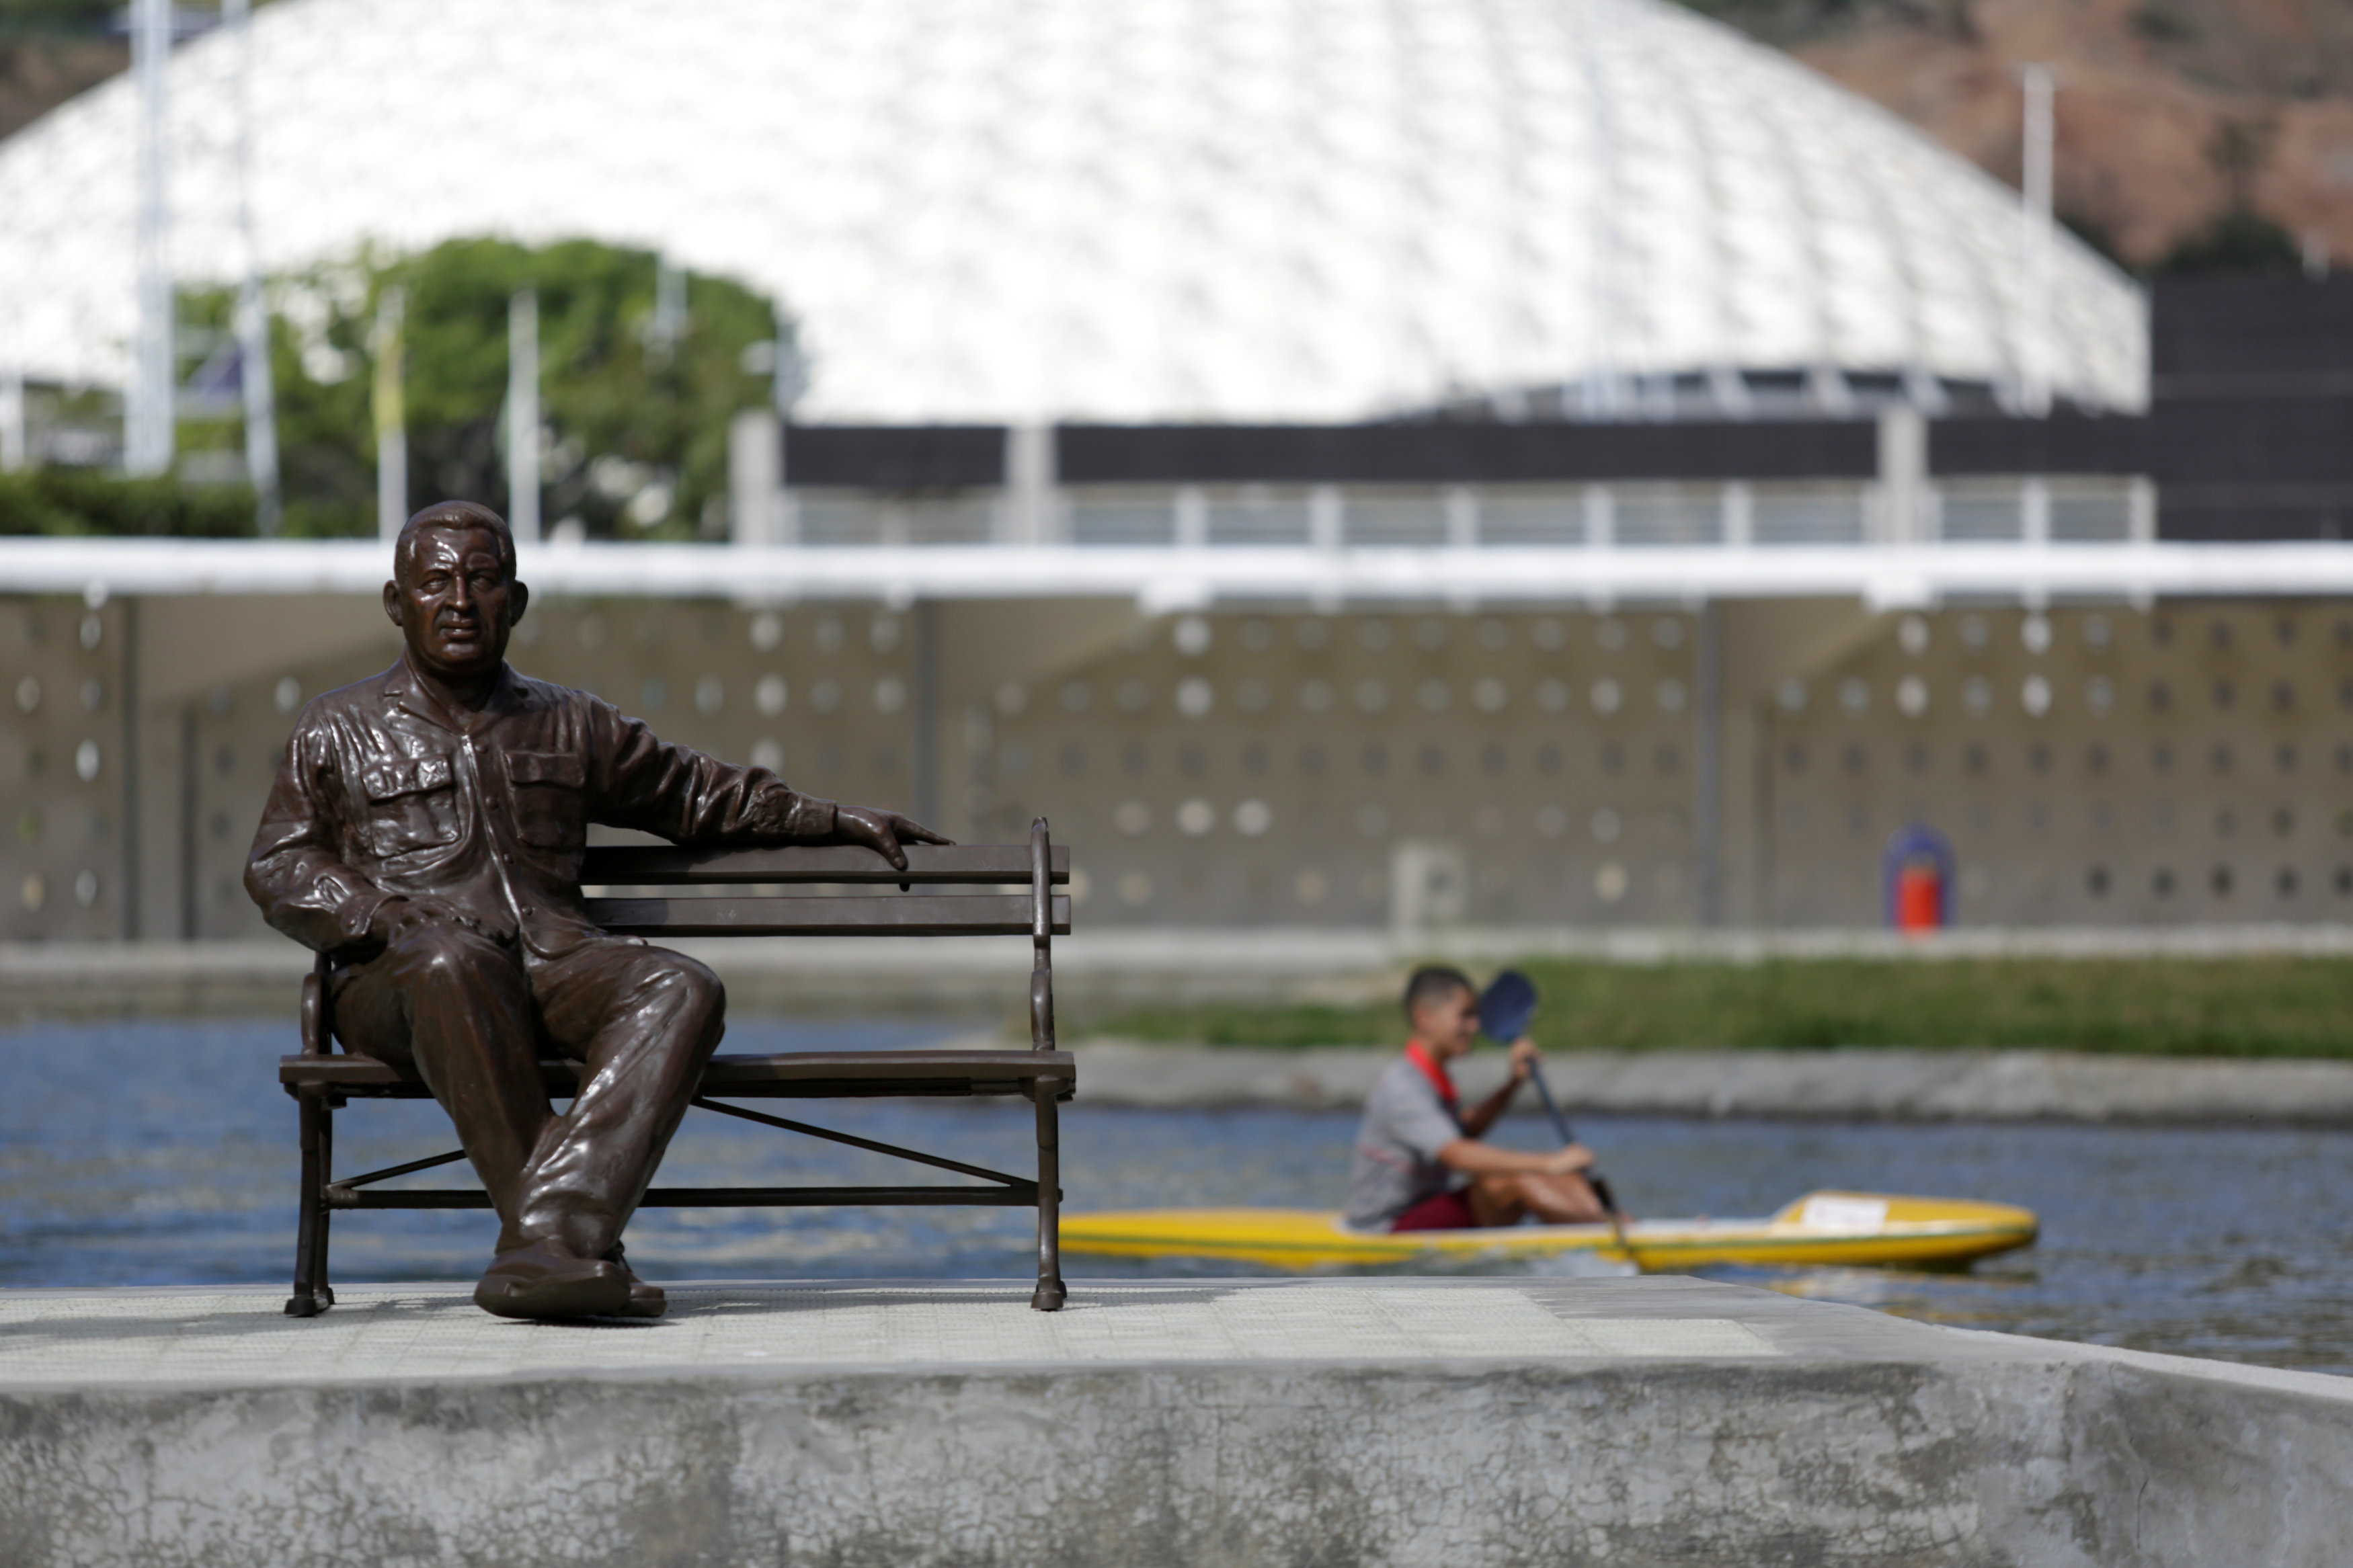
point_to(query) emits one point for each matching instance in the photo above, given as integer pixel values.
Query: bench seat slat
(889, 914)
(634, 864)
(791, 1075)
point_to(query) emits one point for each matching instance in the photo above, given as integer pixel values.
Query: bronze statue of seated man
(426, 832)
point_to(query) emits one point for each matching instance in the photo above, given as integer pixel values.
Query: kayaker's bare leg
(1567, 1199)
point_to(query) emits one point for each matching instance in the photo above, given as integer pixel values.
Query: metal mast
(391, 415)
(254, 374)
(148, 413)
(522, 414)
(1600, 394)
(2034, 248)
(668, 322)
(11, 405)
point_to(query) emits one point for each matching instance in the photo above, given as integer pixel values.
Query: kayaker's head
(1441, 1007)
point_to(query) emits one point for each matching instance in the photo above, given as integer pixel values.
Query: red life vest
(1434, 1071)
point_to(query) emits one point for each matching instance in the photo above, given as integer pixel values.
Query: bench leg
(319, 1285)
(312, 1296)
(1050, 1295)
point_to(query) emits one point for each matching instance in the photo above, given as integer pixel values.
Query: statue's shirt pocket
(412, 805)
(550, 799)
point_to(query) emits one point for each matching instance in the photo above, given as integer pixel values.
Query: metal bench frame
(322, 1082)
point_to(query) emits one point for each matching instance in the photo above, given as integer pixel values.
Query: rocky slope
(2168, 111)
(36, 74)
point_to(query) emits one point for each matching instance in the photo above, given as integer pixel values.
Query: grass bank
(2228, 1006)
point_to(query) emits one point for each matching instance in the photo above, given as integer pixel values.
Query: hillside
(38, 73)
(2167, 110)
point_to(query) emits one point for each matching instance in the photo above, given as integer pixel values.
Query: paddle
(1506, 1008)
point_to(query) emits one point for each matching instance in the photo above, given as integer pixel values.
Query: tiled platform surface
(142, 1338)
(1334, 1421)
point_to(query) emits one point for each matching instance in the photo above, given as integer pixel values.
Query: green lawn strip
(2229, 1007)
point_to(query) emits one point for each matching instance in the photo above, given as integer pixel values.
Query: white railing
(2014, 509)
(2044, 510)
(1189, 574)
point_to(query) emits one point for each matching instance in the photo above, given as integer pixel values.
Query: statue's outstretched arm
(638, 780)
(692, 798)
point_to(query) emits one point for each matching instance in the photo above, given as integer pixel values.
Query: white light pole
(254, 375)
(12, 410)
(791, 372)
(2035, 247)
(1598, 393)
(391, 415)
(668, 322)
(522, 414)
(148, 413)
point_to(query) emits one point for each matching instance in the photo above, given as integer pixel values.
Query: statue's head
(453, 592)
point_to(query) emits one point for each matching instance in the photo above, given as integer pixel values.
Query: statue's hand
(882, 832)
(403, 911)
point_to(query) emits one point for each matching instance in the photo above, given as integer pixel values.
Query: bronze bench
(322, 1081)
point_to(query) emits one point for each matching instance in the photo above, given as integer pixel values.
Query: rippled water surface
(145, 1153)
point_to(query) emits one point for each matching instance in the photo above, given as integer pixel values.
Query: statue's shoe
(645, 1300)
(543, 1280)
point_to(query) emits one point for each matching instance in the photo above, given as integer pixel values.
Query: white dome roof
(996, 210)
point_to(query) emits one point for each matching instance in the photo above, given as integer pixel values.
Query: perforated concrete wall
(1744, 766)
(2091, 766)
(63, 756)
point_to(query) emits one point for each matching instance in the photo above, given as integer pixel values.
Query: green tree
(2238, 238)
(2236, 242)
(637, 423)
(85, 501)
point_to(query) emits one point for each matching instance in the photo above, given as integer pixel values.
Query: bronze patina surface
(426, 832)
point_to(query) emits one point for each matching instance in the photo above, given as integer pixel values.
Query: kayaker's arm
(1523, 1056)
(1474, 1158)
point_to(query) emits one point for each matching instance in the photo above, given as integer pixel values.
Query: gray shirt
(1407, 1122)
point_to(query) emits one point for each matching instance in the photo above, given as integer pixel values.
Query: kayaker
(1420, 1163)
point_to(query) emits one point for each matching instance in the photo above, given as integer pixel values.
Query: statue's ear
(392, 606)
(518, 601)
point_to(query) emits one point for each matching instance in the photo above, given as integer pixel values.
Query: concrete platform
(1278, 1422)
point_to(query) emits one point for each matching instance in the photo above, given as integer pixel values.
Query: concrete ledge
(1407, 1422)
(1107, 968)
(1860, 1085)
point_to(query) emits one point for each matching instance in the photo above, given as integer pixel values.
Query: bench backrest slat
(888, 914)
(635, 865)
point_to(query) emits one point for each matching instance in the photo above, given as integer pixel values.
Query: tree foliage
(636, 426)
(2237, 241)
(85, 501)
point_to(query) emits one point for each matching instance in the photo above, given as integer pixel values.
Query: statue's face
(455, 604)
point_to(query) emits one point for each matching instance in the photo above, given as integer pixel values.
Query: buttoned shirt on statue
(384, 793)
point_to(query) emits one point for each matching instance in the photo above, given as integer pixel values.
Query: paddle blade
(1507, 1006)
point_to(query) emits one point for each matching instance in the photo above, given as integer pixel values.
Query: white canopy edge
(1165, 579)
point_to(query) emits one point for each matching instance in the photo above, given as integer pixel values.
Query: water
(149, 1153)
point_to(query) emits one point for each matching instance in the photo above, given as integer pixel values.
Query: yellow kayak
(1827, 1227)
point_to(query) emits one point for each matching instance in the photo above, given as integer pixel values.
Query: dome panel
(1101, 209)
